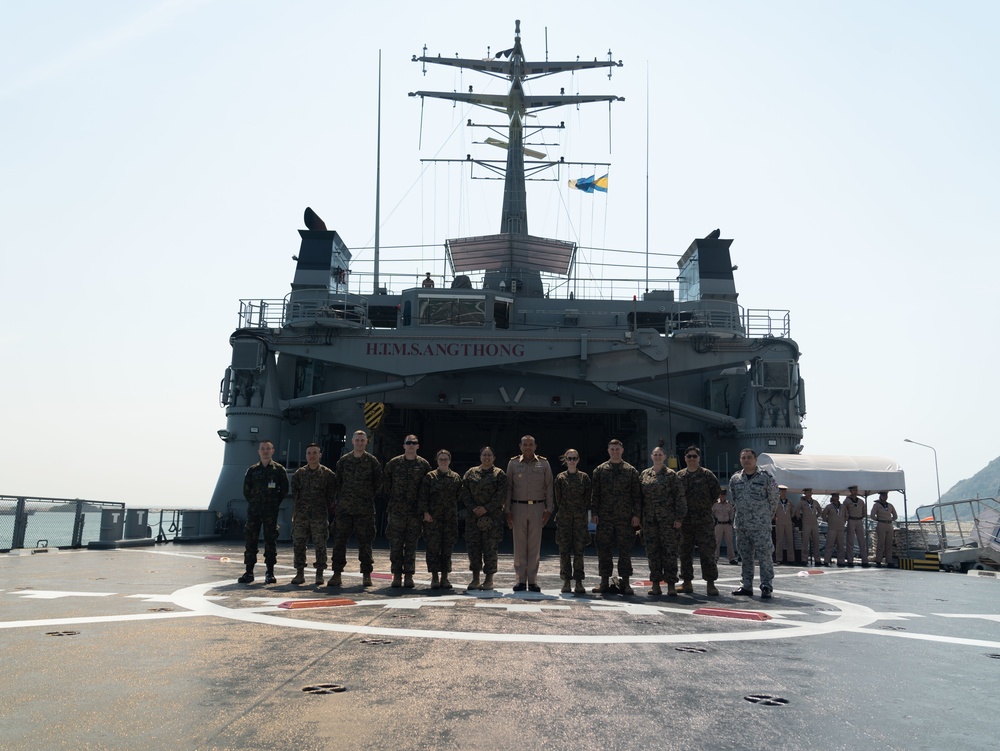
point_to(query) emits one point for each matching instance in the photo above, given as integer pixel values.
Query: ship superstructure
(513, 341)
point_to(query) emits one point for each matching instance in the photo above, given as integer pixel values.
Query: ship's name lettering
(445, 349)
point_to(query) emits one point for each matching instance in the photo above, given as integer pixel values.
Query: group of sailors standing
(675, 511)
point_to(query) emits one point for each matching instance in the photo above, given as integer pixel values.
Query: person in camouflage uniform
(616, 502)
(314, 492)
(572, 490)
(438, 507)
(359, 476)
(484, 491)
(264, 486)
(701, 488)
(401, 485)
(663, 509)
(755, 496)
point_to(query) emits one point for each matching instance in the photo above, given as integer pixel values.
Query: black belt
(723, 523)
(855, 518)
(528, 502)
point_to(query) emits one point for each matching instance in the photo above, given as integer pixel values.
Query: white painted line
(47, 622)
(42, 594)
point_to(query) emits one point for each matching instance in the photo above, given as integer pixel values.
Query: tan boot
(435, 582)
(625, 588)
(579, 589)
(565, 587)
(603, 587)
(671, 590)
(686, 587)
(300, 576)
(397, 581)
(487, 585)
(655, 589)
(408, 581)
(334, 580)
(366, 580)
(319, 577)
(711, 590)
(474, 584)
(445, 584)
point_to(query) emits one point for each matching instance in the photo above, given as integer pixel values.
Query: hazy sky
(157, 156)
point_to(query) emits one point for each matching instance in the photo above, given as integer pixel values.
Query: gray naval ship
(157, 647)
(515, 339)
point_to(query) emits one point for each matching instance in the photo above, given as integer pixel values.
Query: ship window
(501, 313)
(452, 311)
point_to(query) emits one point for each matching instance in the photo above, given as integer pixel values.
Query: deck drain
(404, 615)
(767, 700)
(161, 610)
(994, 657)
(649, 622)
(691, 649)
(21, 589)
(375, 641)
(61, 633)
(325, 688)
(892, 628)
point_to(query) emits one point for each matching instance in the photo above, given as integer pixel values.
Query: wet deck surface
(159, 647)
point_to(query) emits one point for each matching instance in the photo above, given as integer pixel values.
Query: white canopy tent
(834, 474)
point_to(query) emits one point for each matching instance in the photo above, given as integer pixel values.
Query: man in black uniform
(264, 486)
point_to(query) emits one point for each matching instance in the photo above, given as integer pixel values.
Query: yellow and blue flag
(589, 184)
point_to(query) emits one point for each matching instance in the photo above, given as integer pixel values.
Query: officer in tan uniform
(783, 529)
(529, 507)
(834, 514)
(723, 512)
(857, 510)
(807, 512)
(884, 514)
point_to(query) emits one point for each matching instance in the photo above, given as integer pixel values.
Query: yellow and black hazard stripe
(374, 412)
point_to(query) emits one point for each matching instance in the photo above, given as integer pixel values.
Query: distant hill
(984, 484)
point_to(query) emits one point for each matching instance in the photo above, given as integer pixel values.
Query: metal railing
(29, 522)
(38, 522)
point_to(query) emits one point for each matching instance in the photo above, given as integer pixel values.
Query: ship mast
(517, 105)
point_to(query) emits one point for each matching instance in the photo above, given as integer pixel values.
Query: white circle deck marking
(849, 617)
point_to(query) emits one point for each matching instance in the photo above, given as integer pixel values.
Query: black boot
(247, 578)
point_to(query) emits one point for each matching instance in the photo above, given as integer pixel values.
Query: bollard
(112, 525)
(136, 524)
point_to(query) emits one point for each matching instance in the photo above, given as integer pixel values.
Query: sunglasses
(572, 458)
(690, 456)
(411, 443)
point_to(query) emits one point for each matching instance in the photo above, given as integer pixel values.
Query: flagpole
(378, 167)
(647, 176)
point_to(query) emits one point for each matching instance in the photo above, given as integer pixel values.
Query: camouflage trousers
(701, 534)
(613, 535)
(482, 538)
(363, 526)
(440, 536)
(257, 518)
(316, 526)
(572, 537)
(403, 533)
(755, 544)
(661, 550)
